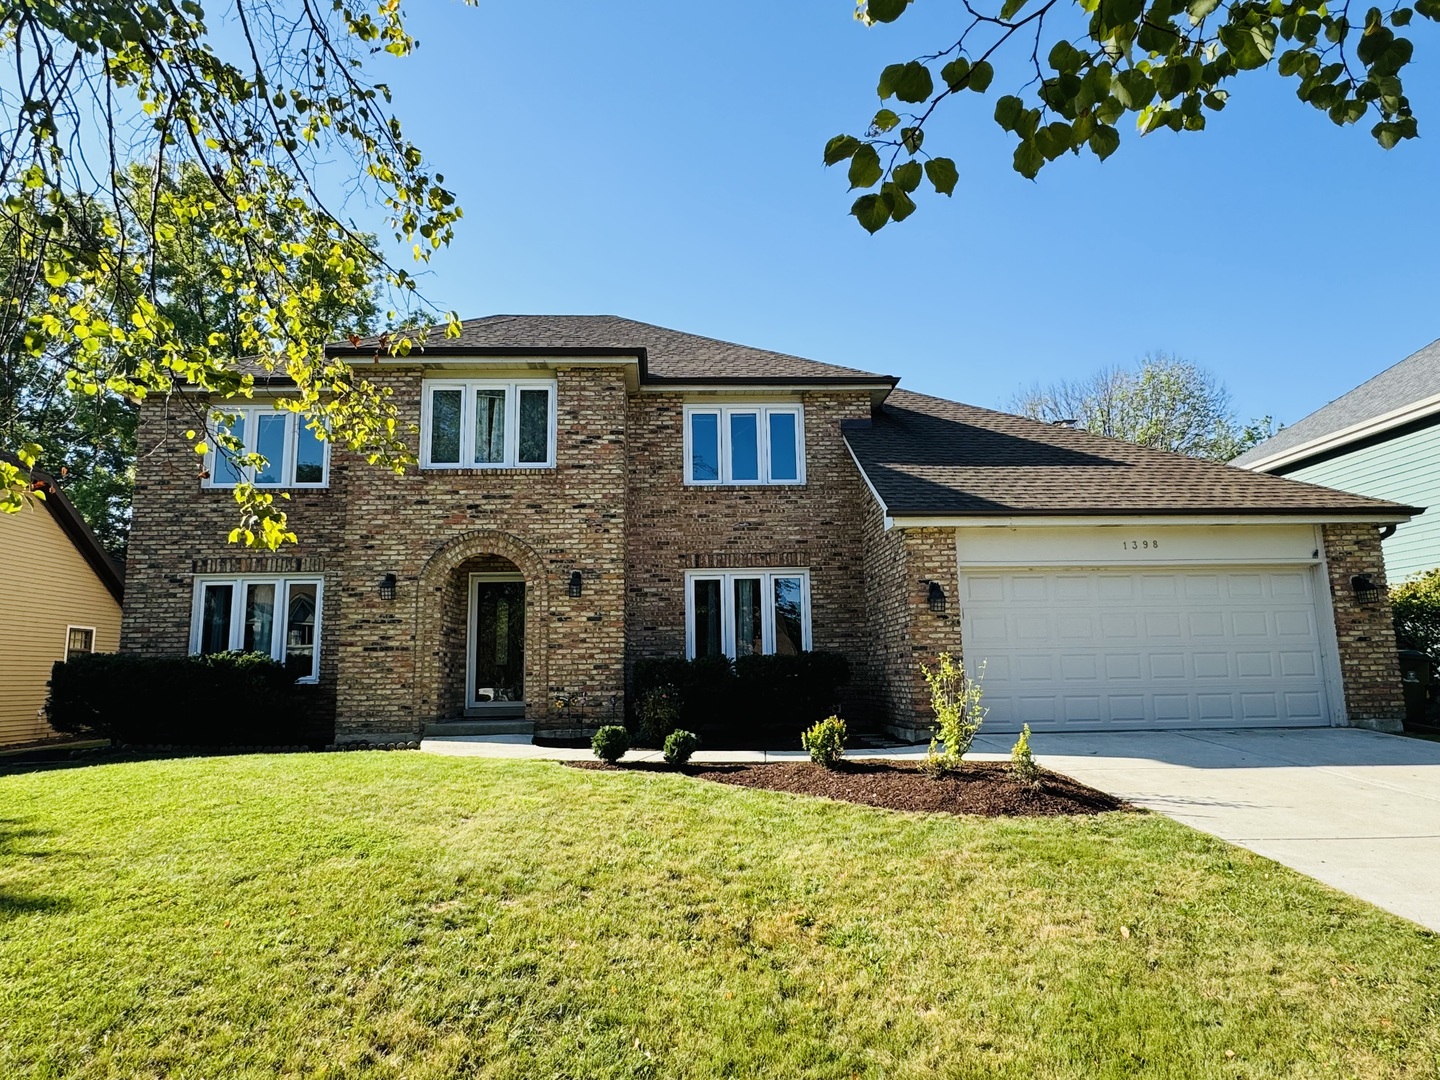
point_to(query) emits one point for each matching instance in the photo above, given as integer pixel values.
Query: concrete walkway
(1354, 809)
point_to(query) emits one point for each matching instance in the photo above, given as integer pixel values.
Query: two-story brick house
(593, 490)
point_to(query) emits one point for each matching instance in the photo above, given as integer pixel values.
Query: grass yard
(400, 915)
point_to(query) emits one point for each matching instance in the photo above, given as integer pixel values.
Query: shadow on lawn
(15, 904)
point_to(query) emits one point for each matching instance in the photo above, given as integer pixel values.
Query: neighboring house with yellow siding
(62, 595)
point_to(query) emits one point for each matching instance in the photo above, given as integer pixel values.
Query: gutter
(1416, 410)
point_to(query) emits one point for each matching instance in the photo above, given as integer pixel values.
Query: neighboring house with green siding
(1382, 439)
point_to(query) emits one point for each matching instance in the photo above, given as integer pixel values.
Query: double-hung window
(738, 613)
(277, 616)
(467, 424)
(79, 640)
(295, 456)
(744, 444)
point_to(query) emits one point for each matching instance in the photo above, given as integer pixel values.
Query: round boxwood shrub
(679, 745)
(610, 743)
(825, 741)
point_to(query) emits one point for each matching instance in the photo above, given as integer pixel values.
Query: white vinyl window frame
(723, 414)
(468, 389)
(249, 426)
(278, 627)
(70, 650)
(727, 580)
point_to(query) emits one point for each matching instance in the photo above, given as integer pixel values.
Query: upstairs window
(488, 425)
(79, 640)
(279, 617)
(744, 444)
(295, 456)
(747, 613)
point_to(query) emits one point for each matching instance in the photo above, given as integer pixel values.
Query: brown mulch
(985, 788)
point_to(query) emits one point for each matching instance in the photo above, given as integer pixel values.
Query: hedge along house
(593, 491)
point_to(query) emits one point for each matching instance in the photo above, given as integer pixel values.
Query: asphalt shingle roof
(927, 456)
(671, 354)
(1413, 379)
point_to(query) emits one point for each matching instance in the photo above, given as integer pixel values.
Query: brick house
(594, 490)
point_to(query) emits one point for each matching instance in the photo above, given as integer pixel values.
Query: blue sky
(661, 161)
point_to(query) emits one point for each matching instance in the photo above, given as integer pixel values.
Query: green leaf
(884, 120)
(872, 211)
(56, 275)
(909, 82)
(1104, 141)
(839, 148)
(1011, 8)
(1028, 160)
(1401, 17)
(1115, 13)
(901, 205)
(911, 138)
(865, 170)
(886, 11)
(1199, 9)
(1133, 88)
(942, 174)
(954, 73)
(1009, 108)
(907, 176)
(981, 75)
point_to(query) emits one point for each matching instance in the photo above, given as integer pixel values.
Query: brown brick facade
(1369, 665)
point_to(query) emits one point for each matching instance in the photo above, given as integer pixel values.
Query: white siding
(1404, 470)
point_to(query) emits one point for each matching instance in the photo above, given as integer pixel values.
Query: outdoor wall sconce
(576, 584)
(1366, 591)
(935, 597)
(387, 587)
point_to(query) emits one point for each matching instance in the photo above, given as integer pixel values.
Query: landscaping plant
(1416, 604)
(1022, 761)
(679, 745)
(658, 715)
(825, 741)
(958, 713)
(610, 743)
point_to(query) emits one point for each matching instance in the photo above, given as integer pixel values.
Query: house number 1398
(1139, 545)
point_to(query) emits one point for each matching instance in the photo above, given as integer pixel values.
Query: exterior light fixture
(387, 587)
(935, 597)
(576, 584)
(1366, 591)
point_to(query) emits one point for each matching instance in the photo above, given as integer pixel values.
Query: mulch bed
(985, 788)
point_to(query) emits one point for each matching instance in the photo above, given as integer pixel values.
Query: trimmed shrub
(679, 745)
(224, 699)
(658, 715)
(1416, 604)
(825, 741)
(756, 693)
(1022, 761)
(610, 743)
(704, 687)
(796, 689)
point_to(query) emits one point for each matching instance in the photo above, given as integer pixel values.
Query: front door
(495, 682)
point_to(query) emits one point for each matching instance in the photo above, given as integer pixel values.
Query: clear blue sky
(661, 161)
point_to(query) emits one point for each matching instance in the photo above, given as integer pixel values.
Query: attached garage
(1158, 627)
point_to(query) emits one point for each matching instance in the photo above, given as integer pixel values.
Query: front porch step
(479, 727)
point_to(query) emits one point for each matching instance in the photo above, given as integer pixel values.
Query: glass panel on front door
(499, 642)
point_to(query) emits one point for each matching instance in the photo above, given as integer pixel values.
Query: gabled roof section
(77, 531)
(926, 457)
(665, 355)
(1401, 394)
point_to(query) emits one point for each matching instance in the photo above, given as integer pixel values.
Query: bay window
(277, 616)
(295, 455)
(744, 444)
(467, 424)
(738, 613)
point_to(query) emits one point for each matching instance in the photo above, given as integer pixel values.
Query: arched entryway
(481, 626)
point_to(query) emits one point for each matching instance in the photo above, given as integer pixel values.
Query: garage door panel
(1097, 649)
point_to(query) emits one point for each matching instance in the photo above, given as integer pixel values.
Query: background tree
(1165, 402)
(1079, 71)
(266, 105)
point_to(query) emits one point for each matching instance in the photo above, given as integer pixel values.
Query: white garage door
(1084, 649)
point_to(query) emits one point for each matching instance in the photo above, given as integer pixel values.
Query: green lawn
(400, 915)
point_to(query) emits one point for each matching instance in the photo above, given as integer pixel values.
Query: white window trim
(249, 422)
(468, 387)
(283, 582)
(763, 413)
(65, 652)
(727, 578)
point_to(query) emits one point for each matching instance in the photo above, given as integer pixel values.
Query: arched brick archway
(439, 655)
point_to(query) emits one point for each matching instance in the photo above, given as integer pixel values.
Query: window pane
(300, 631)
(225, 472)
(784, 460)
(309, 456)
(270, 441)
(744, 446)
(79, 642)
(215, 618)
(259, 618)
(789, 627)
(445, 427)
(534, 426)
(706, 613)
(749, 633)
(489, 427)
(704, 447)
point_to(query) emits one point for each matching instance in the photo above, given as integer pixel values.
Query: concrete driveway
(1355, 809)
